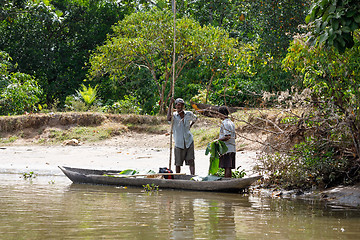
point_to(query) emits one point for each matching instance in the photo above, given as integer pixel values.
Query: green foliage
(268, 27)
(334, 79)
(151, 188)
(145, 42)
(234, 174)
(201, 97)
(29, 34)
(128, 172)
(52, 41)
(225, 14)
(235, 91)
(274, 20)
(145, 99)
(29, 175)
(319, 162)
(73, 103)
(19, 92)
(216, 149)
(88, 94)
(20, 95)
(265, 22)
(334, 23)
(128, 105)
(312, 163)
(238, 173)
(329, 123)
(8, 140)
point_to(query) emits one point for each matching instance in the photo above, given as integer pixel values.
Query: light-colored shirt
(228, 128)
(181, 129)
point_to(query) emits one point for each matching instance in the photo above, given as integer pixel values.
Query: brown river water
(51, 207)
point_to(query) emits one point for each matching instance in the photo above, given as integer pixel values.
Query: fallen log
(210, 110)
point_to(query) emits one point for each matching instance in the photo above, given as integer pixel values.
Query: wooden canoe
(181, 182)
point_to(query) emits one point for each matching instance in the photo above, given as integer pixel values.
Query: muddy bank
(337, 197)
(342, 195)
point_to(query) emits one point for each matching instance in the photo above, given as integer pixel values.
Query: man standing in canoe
(184, 142)
(227, 135)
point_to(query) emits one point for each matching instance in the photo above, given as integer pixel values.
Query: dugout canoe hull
(180, 182)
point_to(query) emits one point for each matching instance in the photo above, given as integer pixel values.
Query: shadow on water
(53, 208)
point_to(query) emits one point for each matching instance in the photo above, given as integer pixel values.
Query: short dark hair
(224, 110)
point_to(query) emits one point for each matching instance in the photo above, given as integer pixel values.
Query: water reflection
(41, 210)
(166, 214)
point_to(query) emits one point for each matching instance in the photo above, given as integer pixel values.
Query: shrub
(128, 105)
(20, 94)
(88, 95)
(235, 174)
(309, 163)
(73, 103)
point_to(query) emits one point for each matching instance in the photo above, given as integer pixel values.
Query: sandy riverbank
(132, 151)
(44, 160)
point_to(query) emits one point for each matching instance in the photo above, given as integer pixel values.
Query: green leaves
(334, 23)
(128, 172)
(52, 41)
(88, 94)
(216, 149)
(334, 79)
(143, 41)
(19, 92)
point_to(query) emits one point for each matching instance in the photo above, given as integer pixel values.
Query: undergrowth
(238, 173)
(311, 163)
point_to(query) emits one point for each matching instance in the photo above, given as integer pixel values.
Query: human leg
(179, 158)
(228, 173)
(192, 169)
(227, 162)
(190, 158)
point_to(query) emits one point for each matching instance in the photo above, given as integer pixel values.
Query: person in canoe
(227, 135)
(184, 142)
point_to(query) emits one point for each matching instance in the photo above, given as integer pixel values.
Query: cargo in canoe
(179, 181)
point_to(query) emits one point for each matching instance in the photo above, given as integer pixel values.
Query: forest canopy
(54, 40)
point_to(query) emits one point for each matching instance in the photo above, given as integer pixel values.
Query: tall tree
(144, 40)
(271, 23)
(52, 40)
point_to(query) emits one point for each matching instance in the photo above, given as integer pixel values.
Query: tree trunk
(208, 87)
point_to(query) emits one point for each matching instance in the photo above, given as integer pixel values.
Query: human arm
(225, 138)
(193, 121)
(226, 130)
